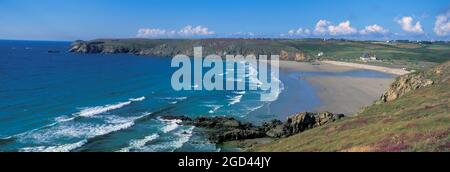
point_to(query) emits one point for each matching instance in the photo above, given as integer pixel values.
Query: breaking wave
(235, 99)
(74, 130)
(214, 108)
(59, 148)
(170, 125)
(174, 100)
(180, 138)
(140, 143)
(91, 111)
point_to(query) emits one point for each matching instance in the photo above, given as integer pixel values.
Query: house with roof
(367, 57)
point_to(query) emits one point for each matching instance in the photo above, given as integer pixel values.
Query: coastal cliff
(170, 48)
(407, 83)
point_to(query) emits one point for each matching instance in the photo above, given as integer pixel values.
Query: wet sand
(348, 94)
(341, 94)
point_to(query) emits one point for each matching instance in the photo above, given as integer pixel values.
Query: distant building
(366, 57)
(320, 54)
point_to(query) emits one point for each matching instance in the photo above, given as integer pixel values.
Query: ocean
(60, 101)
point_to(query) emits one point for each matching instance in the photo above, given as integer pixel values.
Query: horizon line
(247, 38)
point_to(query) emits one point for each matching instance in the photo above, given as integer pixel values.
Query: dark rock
(405, 84)
(222, 129)
(299, 123)
(303, 121)
(277, 132)
(217, 123)
(182, 118)
(270, 125)
(237, 134)
(327, 117)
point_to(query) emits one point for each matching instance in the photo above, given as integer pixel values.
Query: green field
(411, 54)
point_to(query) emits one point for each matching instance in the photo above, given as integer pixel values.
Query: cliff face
(170, 48)
(414, 81)
(405, 84)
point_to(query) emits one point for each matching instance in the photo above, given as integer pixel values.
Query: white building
(320, 54)
(369, 57)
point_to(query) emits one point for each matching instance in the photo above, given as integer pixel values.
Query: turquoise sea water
(96, 102)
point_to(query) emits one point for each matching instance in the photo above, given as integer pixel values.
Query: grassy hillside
(406, 54)
(403, 54)
(417, 121)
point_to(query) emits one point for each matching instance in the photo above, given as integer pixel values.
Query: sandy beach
(341, 94)
(348, 94)
(394, 71)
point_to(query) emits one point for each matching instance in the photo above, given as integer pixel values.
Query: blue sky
(90, 19)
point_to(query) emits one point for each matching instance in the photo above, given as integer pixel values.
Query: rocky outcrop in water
(222, 129)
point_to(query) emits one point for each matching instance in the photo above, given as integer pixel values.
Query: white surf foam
(76, 130)
(138, 99)
(175, 100)
(235, 99)
(180, 138)
(184, 136)
(239, 92)
(214, 108)
(169, 125)
(91, 111)
(140, 143)
(59, 148)
(251, 109)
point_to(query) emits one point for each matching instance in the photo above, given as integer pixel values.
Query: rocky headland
(223, 129)
(172, 47)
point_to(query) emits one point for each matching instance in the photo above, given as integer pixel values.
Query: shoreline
(394, 71)
(340, 94)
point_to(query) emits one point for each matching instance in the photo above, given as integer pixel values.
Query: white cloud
(299, 32)
(343, 28)
(324, 27)
(373, 29)
(154, 33)
(192, 31)
(321, 27)
(187, 31)
(408, 25)
(442, 24)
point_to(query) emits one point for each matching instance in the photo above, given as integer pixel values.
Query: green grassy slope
(417, 121)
